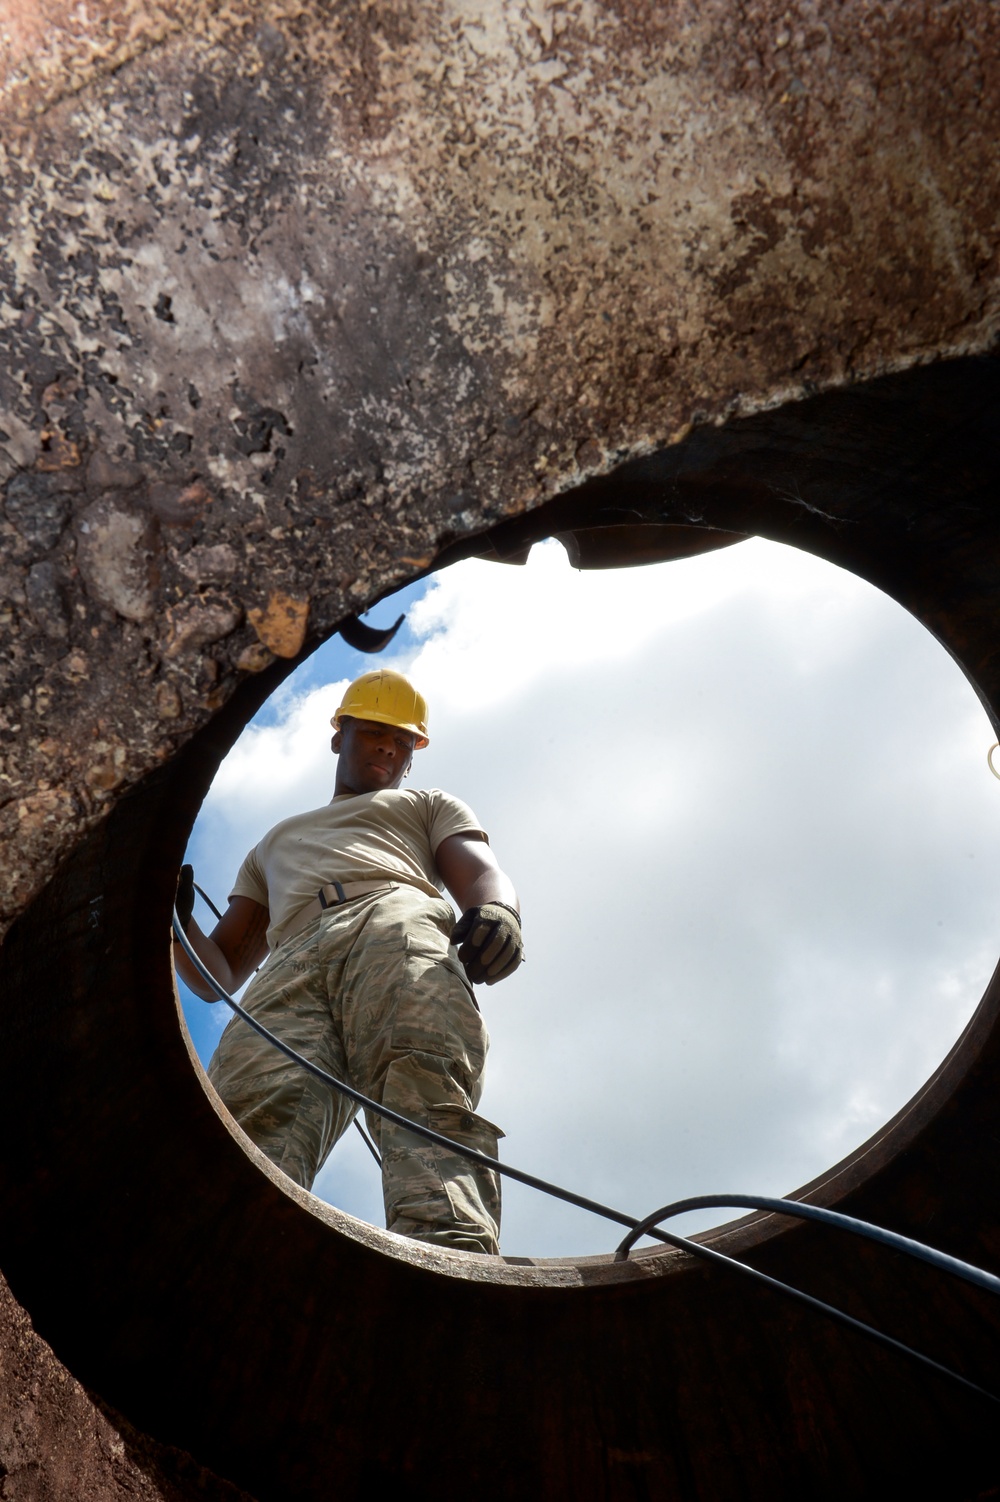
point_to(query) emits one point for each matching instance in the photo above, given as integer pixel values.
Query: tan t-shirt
(393, 834)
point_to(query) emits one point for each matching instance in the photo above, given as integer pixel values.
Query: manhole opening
(744, 799)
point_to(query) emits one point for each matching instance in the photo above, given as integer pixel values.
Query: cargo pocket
(473, 1190)
(434, 1011)
(465, 1127)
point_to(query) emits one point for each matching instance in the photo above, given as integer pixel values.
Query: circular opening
(745, 799)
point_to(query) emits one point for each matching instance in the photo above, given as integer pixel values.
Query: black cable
(637, 1227)
(707, 1254)
(804, 1211)
(369, 1144)
(205, 898)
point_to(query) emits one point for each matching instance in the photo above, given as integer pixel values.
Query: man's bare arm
(470, 871)
(232, 951)
(488, 934)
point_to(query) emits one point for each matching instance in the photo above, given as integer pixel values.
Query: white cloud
(744, 798)
(273, 768)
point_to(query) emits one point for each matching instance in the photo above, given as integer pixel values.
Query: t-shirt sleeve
(250, 880)
(448, 815)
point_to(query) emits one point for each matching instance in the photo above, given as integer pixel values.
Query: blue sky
(746, 803)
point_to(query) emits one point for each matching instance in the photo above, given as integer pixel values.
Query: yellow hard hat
(389, 699)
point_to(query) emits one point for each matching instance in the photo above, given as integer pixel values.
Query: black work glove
(490, 942)
(184, 901)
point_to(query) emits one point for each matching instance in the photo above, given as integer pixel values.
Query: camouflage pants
(374, 993)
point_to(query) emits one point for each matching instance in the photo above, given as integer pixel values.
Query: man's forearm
(211, 957)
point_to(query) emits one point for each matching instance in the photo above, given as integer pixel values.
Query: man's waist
(335, 894)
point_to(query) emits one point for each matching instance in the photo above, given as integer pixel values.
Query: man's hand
(184, 901)
(490, 942)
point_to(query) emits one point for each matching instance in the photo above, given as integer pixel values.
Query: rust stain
(281, 625)
(58, 452)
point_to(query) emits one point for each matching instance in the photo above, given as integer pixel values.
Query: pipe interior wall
(299, 301)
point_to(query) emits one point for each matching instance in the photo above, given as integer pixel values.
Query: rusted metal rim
(280, 1342)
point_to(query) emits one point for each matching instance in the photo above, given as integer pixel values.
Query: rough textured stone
(199, 622)
(115, 556)
(45, 602)
(39, 507)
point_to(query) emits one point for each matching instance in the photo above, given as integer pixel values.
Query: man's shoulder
(435, 795)
(447, 813)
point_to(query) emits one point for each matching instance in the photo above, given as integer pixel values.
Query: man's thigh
(282, 1107)
(288, 997)
(404, 992)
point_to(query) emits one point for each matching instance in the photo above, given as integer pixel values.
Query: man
(363, 977)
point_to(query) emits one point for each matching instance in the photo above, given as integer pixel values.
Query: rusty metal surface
(297, 300)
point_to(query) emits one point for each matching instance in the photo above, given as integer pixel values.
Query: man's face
(372, 756)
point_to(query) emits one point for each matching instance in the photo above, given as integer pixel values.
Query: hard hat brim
(419, 731)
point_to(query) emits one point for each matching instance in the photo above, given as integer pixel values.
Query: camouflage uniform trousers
(374, 993)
